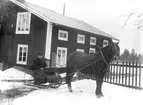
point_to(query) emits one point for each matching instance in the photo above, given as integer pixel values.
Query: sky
(106, 15)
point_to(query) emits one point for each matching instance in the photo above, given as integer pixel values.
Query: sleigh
(45, 77)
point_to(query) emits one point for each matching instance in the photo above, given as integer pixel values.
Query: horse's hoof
(70, 91)
(99, 95)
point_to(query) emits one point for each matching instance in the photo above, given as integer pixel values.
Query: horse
(97, 65)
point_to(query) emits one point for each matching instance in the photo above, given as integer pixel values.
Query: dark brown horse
(97, 65)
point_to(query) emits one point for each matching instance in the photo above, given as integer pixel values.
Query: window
(61, 57)
(105, 43)
(63, 35)
(80, 38)
(92, 51)
(23, 23)
(80, 50)
(92, 41)
(22, 52)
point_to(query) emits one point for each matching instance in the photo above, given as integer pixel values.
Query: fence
(125, 74)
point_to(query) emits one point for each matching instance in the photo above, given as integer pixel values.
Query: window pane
(24, 59)
(20, 49)
(63, 53)
(22, 22)
(24, 49)
(20, 58)
(59, 52)
(19, 22)
(20, 54)
(63, 35)
(24, 54)
(27, 22)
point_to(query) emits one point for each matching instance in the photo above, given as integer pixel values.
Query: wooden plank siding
(72, 44)
(35, 40)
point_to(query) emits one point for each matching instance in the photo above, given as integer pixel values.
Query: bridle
(102, 56)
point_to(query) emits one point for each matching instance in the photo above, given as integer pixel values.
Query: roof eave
(50, 20)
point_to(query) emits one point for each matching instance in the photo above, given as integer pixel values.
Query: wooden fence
(125, 74)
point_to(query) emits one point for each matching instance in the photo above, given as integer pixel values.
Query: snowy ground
(16, 93)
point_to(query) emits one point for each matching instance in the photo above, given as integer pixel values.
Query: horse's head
(115, 50)
(109, 53)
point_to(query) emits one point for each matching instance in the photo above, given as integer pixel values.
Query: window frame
(92, 49)
(65, 59)
(82, 50)
(19, 19)
(65, 32)
(79, 41)
(91, 43)
(104, 45)
(18, 51)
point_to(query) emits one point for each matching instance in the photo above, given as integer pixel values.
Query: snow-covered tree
(6, 10)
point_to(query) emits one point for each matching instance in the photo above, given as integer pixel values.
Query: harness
(94, 62)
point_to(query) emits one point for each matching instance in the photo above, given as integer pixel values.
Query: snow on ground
(12, 74)
(84, 93)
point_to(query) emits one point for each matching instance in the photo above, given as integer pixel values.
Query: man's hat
(39, 53)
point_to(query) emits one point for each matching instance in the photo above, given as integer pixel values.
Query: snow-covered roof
(50, 15)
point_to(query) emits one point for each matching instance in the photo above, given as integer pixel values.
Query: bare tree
(138, 22)
(6, 10)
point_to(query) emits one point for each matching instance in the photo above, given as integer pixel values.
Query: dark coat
(38, 63)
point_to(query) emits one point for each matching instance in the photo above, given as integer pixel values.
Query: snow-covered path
(83, 94)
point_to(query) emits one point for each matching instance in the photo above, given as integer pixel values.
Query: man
(39, 63)
(37, 69)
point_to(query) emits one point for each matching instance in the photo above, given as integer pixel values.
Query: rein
(103, 58)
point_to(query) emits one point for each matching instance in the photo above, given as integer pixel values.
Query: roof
(50, 15)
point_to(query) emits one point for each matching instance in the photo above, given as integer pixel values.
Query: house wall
(35, 39)
(72, 44)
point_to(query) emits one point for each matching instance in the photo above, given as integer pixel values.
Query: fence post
(119, 74)
(136, 75)
(133, 74)
(140, 75)
(126, 73)
(129, 73)
(116, 72)
(110, 73)
(123, 73)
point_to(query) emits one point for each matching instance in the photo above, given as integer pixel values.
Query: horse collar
(103, 58)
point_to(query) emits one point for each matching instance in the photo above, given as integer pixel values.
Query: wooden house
(34, 29)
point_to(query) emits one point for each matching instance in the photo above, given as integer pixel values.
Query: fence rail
(125, 74)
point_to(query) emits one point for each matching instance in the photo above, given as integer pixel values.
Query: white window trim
(18, 18)
(60, 38)
(61, 48)
(92, 49)
(104, 45)
(79, 41)
(18, 48)
(91, 43)
(81, 50)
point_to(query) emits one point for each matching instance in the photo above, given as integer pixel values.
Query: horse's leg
(68, 81)
(99, 82)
